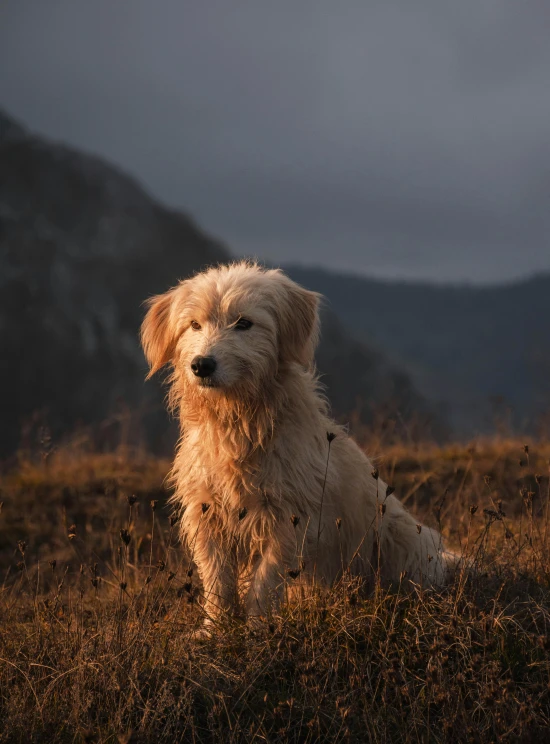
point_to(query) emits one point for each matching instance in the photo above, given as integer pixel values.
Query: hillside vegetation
(99, 604)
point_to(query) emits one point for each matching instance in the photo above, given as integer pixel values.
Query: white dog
(259, 503)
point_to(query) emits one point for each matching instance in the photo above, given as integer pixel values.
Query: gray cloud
(394, 139)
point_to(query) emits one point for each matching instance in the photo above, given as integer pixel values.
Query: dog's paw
(204, 633)
(256, 622)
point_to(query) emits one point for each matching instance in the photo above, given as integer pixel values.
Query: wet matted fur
(249, 472)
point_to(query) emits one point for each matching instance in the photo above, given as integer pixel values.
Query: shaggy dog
(267, 484)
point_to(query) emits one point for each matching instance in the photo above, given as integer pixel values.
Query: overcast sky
(397, 139)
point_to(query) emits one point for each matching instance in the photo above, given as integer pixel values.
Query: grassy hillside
(98, 606)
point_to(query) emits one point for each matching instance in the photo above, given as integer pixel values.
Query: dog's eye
(243, 324)
(195, 326)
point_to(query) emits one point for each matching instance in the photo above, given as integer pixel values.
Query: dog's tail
(413, 550)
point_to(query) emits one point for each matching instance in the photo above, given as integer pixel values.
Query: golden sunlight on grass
(99, 606)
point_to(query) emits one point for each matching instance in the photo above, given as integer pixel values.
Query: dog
(268, 486)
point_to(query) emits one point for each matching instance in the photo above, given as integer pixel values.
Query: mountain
(479, 352)
(81, 246)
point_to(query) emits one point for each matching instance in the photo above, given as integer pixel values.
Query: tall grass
(99, 605)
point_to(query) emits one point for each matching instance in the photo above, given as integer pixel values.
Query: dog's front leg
(266, 588)
(216, 563)
(268, 580)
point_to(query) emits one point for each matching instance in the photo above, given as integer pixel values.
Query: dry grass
(98, 606)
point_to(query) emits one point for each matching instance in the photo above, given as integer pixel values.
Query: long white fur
(253, 449)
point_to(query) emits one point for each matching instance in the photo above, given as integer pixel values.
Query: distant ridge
(482, 352)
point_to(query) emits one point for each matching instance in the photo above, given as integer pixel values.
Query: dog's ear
(158, 332)
(298, 322)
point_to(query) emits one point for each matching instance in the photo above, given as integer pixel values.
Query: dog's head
(231, 328)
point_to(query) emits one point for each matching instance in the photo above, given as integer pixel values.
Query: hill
(99, 607)
(479, 352)
(81, 246)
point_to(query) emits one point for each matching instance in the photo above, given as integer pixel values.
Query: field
(99, 604)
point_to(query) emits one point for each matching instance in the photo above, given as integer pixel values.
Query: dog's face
(231, 329)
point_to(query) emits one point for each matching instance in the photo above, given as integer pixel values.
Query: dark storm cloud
(397, 139)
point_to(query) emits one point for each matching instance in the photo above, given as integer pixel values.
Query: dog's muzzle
(203, 366)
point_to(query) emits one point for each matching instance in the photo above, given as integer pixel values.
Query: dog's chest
(236, 485)
(236, 478)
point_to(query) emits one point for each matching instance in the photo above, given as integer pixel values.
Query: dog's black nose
(203, 366)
